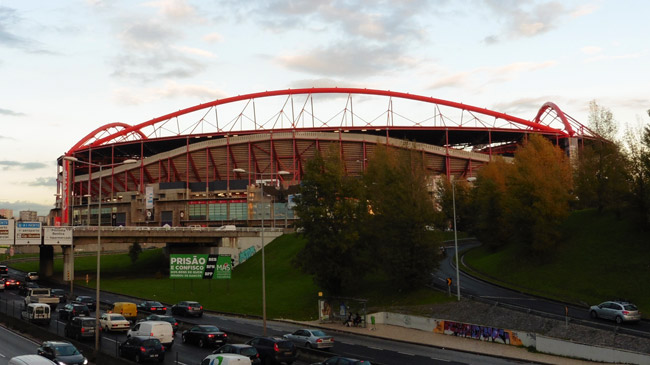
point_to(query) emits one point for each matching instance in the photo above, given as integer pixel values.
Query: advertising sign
(6, 231)
(28, 233)
(58, 236)
(149, 197)
(65, 189)
(199, 266)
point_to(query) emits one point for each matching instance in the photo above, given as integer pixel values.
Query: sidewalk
(449, 342)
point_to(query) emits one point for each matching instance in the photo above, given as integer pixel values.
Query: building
(7, 213)
(28, 216)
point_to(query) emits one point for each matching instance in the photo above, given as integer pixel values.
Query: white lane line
(110, 339)
(405, 353)
(2, 355)
(435, 358)
(374, 348)
(511, 298)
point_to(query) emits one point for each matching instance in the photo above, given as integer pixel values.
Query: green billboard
(199, 266)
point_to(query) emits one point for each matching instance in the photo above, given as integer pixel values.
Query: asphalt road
(470, 285)
(13, 344)
(376, 350)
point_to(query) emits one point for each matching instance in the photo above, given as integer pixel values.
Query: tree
(401, 209)
(539, 187)
(330, 214)
(445, 197)
(134, 252)
(638, 152)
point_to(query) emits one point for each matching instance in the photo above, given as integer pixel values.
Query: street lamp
(99, 231)
(261, 174)
(453, 199)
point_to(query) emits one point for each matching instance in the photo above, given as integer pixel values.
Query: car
(240, 349)
(311, 338)
(39, 313)
(4, 271)
(87, 300)
(72, 310)
(158, 317)
(188, 308)
(151, 306)
(24, 287)
(30, 360)
(114, 322)
(127, 309)
(163, 331)
(142, 348)
(12, 283)
(204, 335)
(59, 293)
(61, 353)
(340, 360)
(31, 276)
(617, 310)
(225, 359)
(2, 284)
(80, 328)
(274, 350)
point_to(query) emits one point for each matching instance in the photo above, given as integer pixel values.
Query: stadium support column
(572, 151)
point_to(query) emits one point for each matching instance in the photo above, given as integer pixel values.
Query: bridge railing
(174, 229)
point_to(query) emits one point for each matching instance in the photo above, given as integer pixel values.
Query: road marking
(110, 339)
(510, 298)
(435, 358)
(2, 355)
(405, 353)
(374, 348)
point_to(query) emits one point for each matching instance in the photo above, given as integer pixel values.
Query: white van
(161, 330)
(30, 360)
(226, 359)
(38, 313)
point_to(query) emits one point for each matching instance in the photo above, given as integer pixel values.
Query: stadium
(207, 164)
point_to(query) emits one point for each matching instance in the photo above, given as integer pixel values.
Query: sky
(69, 67)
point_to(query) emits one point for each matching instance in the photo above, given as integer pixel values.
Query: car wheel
(201, 343)
(137, 358)
(619, 320)
(593, 314)
(308, 345)
(184, 339)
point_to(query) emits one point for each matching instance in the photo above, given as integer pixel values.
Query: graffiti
(246, 254)
(491, 334)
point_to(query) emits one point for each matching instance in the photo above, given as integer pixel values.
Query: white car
(32, 276)
(114, 322)
(2, 284)
(311, 338)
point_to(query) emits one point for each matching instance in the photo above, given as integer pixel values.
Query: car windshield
(66, 350)
(318, 333)
(249, 351)
(630, 307)
(152, 342)
(210, 329)
(194, 305)
(118, 317)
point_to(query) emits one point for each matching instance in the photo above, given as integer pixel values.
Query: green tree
(401, 209)
(330, 214)
(638, 152)
(134, 252)
(539, 188)
(464, 209)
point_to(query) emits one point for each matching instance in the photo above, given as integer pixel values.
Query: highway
(13, 344)
(471, 286)
(378, 351)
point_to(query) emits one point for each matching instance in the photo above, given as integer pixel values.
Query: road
(478, 288)
(13, 344)
(380, 351)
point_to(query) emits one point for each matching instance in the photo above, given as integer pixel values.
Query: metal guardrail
(174, 229)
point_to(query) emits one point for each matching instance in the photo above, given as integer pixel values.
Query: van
(127, 309)
(30, 360)
(38, 313)
(161, 330)
(226, 359)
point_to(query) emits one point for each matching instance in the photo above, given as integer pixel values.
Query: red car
(11, 283)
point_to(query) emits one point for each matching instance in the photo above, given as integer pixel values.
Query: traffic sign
(448, 281)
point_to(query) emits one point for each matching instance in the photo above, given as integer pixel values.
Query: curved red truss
(535, 125)
(105, 128)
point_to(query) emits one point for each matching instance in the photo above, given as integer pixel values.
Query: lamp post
(261, 174)
(99, 233)
(453, 199)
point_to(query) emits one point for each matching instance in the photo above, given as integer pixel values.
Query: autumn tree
(638, 152)
(461, 190)
(401, 209)
(330, 214)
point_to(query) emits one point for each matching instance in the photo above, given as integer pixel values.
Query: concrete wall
(602, 354)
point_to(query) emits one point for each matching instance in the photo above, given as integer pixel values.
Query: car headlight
(85, 361)
(61, 363)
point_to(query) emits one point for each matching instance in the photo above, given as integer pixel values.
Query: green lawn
(289, 293)
(601, 258)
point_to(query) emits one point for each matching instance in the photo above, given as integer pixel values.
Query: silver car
(619, 311)
(311, 338)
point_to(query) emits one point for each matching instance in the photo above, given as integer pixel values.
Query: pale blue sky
(68, 67)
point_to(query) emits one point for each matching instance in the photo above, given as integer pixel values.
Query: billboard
(6, 231)
(58, 236)
(28, 233)
(199, 266)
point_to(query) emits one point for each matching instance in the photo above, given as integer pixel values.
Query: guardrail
(174, 229)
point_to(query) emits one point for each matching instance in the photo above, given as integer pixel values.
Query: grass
(601, 258)
(289, 292)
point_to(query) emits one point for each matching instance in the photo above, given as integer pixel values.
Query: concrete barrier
(594, 353)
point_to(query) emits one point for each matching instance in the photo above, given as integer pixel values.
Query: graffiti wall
(483, 333)
(246, 254)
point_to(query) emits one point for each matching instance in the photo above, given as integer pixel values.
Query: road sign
(28, 233)
(448, 281)
(58, 235)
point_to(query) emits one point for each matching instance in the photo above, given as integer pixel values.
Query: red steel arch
(536, 125)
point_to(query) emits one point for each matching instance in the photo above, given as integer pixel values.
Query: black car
(12, 283)
(157, 317)
(59, 293)
(24, 287)
(274, 350)
(340, 360)
(142, 348)
(188, 308)
(72, 310)
(88, 301)
(61, 353)
(80, 328)
(151, 306)
(205, 335)
(240, 349)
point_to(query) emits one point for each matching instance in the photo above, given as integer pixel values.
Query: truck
(41, 295)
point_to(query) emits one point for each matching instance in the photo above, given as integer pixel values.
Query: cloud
(7, 165)
(9, 19)
(590, 50)
(213, 38)
(195, 51)
(178, 10)
(43, 181)
(169, 91)
(11, 113)
(22, 205)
